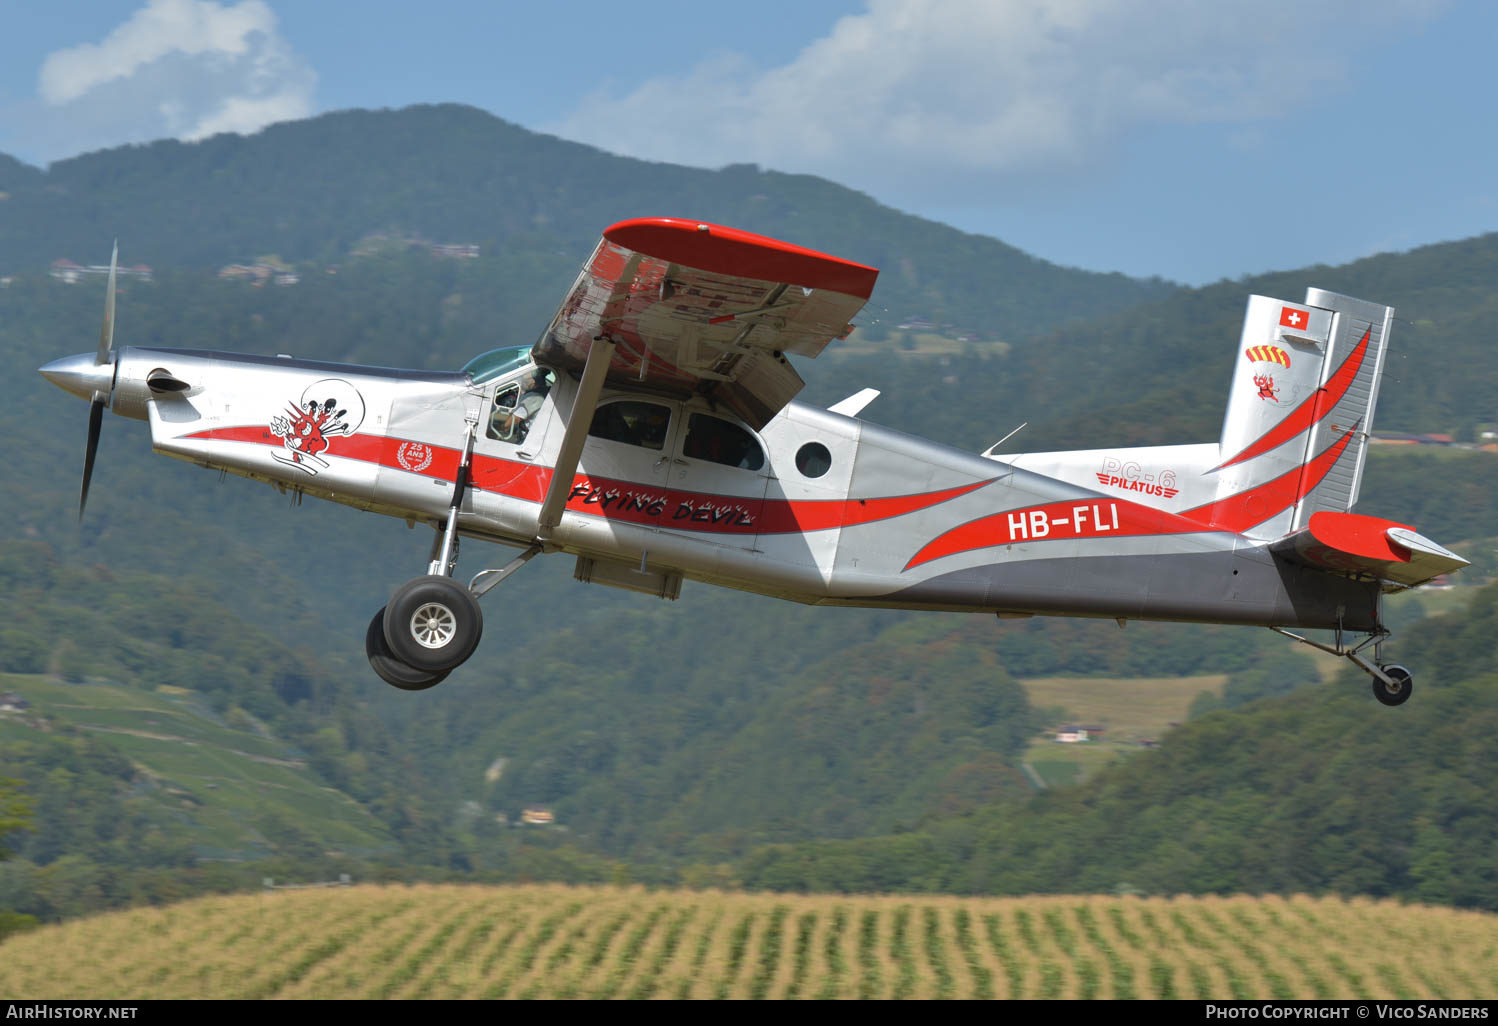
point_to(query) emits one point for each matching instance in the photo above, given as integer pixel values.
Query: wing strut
(600, 353)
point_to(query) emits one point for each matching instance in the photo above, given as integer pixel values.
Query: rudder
(1301, 406)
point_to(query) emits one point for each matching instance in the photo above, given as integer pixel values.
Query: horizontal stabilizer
(1353, 543)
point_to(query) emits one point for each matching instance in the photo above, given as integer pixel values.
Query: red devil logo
(328, 409)
(1267, 390)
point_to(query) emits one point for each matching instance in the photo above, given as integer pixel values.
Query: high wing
(697, 309)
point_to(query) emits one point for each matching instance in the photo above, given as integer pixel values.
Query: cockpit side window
(632, 422)
(516, 405)
(719, 441)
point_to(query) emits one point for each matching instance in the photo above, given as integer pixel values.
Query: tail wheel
(433, 623)
(390, 669)
(1397, 693)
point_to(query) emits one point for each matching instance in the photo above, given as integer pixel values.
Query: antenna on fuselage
(989, 451)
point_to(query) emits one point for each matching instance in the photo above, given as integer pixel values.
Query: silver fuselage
(892, 520)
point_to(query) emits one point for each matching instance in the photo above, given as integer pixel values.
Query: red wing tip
(721, 250)
(1359, 535)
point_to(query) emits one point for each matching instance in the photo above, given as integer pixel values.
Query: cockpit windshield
(496, 363)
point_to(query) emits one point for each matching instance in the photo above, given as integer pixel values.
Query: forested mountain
(663, 733)
(310, 190)
(1159, 373)
(646, 740)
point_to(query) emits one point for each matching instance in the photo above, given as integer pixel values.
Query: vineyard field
(567, 942)
(208, 782)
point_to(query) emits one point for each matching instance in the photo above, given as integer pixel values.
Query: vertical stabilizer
(1301, 406)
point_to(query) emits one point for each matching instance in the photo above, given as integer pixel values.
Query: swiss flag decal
(1293, 318)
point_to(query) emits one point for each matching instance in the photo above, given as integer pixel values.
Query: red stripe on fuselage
(1055, 521)
(623, 500)
(378, 449)
(1120, 518)
(741, 514)
(1310, 412)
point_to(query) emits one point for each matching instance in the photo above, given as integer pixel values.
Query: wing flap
(698, 309)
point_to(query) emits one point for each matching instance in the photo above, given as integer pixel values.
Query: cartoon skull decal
(328, 409)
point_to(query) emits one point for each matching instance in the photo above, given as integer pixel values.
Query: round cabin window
(813, 459)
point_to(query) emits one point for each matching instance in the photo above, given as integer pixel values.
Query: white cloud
(245, 115)
(183, 68)
(159, 28)
(976, 90)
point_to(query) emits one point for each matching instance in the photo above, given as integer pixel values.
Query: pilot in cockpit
(512, 425)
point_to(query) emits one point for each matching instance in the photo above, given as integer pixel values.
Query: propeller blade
(95, 420)
(106, 332)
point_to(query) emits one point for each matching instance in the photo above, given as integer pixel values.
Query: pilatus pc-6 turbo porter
(650, 433)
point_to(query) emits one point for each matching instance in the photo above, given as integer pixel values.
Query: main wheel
(1399, 692)
(433, 623)
(391, 670)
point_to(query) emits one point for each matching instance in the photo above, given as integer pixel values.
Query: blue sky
(1194, 140)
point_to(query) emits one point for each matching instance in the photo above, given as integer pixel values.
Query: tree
(15, 814)
(15, 811)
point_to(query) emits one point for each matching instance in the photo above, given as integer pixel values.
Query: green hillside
(206, 786)
(1159, 372)
(683, 736)
(1312, 791)
(601, 943)
(645, 747)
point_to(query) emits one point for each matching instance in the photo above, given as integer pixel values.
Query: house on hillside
(454, 250)
(538, 815)
(69, 273)
(1410, 438)
(1070, 735)
(12, 702)
(258, 274)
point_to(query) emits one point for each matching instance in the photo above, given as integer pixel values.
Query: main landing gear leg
(1392, 683)
(432, 624)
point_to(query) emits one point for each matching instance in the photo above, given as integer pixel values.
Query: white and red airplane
(650, 432)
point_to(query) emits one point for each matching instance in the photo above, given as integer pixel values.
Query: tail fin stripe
(1310, 412)
(1239, 512)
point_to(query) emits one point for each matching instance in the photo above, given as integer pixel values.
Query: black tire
(390, 669)
(433, 623)
(1404, 685)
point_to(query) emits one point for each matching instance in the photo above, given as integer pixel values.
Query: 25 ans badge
(414, 456)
